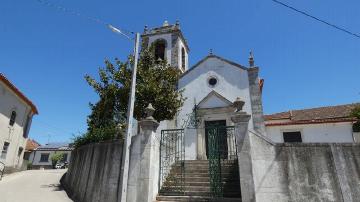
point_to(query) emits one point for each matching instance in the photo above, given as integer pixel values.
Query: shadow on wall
(94, 172)
(305, 172)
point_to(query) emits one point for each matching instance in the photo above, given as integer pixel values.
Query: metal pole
(130, 115)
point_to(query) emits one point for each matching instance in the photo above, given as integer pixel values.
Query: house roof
(31, 145)
(329, 114)
(55, 146)
(18, 93)
(213, 56)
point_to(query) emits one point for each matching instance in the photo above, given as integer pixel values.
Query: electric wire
(317, 19)
(123, 32)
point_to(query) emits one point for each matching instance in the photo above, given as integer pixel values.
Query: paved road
(33, 186)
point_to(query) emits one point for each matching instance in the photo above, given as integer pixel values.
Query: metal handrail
(2, 169)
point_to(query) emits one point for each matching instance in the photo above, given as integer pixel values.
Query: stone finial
(210, 51)
(177, 24)
(145, 28)
(238, 104)
(149, 111)
(251, 59)
(166, 23)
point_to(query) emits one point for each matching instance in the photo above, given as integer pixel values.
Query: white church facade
(203, 131)
(214, 83)
(210, 86)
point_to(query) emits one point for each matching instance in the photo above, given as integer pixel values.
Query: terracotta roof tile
(31, 145)
(18, 93)
(339, 113)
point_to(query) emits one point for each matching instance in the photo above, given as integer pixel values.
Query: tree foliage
(156, 83)
(57, 157)
(356, 113)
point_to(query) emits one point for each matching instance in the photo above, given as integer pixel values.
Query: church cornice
(170, 29)
(214, 56)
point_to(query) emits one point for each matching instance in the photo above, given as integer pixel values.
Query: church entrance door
(216, 138)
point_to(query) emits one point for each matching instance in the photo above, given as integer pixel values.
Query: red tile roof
(18, 93)
(31, 145)
(330, 114)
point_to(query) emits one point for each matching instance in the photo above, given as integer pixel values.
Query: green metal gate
(172, 165)
(221, 146)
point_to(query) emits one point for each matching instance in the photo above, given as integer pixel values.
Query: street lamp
(130, 114)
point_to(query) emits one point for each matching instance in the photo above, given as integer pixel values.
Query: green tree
(156, 83)
(55, 158)
(356, 113)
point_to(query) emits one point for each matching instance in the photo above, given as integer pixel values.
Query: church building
(220, 146)
(203, 130)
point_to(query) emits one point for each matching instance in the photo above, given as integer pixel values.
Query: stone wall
(305, 172)
(94, 173)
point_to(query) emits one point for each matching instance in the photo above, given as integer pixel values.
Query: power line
(93, 19)
(318, 19)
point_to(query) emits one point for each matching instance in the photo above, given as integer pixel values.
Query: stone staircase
(197, 183)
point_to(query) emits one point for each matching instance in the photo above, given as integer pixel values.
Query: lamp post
(130, 113)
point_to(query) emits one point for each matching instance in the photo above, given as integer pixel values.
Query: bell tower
(170, 44)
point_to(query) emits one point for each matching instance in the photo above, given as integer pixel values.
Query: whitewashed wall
(232, 83)
(36, 159)
(9, 101)
(319, 133)
(180, 46)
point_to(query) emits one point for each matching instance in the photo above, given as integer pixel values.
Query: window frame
(26, 128)
(156, 43)
(41, 159)
(65, 157)
(292, 131)
(210, 78)
(183, 58)
(20, 151)
(4, 150)
(12, 120)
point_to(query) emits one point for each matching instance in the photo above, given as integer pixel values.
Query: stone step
(191, 175)
(199, 193)
(205, 162)
(195, 199)
(199, 188)
(203, 183)
(203, 179)
(207, 183)
(230, 171)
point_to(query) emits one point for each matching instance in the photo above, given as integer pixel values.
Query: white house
(16, 112)
(41, 156)
(31, 145)
(331, 124)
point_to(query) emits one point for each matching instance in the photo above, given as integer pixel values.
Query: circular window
(212, 81)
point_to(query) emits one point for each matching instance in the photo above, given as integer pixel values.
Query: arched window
(160, 46)
(12, 118)
(183, 60)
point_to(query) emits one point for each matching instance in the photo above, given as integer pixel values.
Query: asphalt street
(33, 186)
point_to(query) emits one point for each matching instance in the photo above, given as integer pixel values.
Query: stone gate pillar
(241, 121)
(146, 171)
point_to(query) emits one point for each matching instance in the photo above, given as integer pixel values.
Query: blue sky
(46, 52)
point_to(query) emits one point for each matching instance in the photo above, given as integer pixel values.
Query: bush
(356, 114)
(356, 126)
(98, 135)
(29, 166)
(56, 158)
